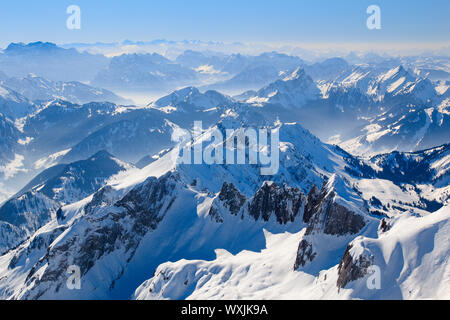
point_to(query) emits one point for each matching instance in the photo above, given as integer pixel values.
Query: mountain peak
(102, 154)
(296, 74)
(177, 96)
(193, 96)
(396, 72)
(39, 45)
(294, 90)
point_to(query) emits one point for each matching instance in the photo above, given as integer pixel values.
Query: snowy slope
(381, 84)
(413, 257)
(167, 212)
(193, 97)
(164, 230)
(180, 208)
(13, 104)
(403, 127)
(38, 202)
(38, 88)
(293, 91)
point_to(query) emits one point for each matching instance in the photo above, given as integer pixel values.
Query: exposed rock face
(304, 254)
(320, 209)
(232, 199)
(99, 199)
(313, 201)
(384, 226)
(351, 269)
(215, 215)
(325, 214)
(146, 202)
(342, 221)
(120, 227)
(332, 218)
(285, 203)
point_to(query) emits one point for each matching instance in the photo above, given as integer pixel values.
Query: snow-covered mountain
(195, 60)
(294, 91)
(172, 196)
(166, 211)
(236, 63)
(13, 104)
(235, 73)
(211, 71)
(191, 97)
(10, 136)
(405, 127)
(364, 110)
(383, 84)
(320, 227)
(427, 166)
(134, 134)
(410, 268)
(340, 112)
(137, 72)
(39, 201)
(50, 61)
(434, 74)
(412, 254)
(328, 70)
(9, 156)
(37, 88)
(398, 82)
(251, 78)
(63, 132)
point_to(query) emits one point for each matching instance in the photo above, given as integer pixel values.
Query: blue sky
(274, 21)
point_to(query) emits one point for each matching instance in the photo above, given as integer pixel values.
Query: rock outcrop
(351, 268)
(285, 203)
(325, 214)
(231, 198)
(108, 229)
(305, 253)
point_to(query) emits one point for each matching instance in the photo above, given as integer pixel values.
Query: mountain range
(90, 180)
